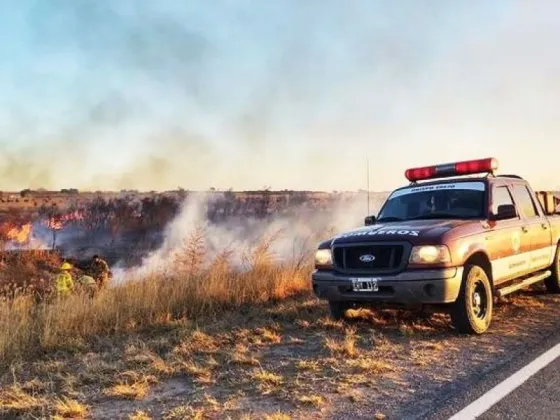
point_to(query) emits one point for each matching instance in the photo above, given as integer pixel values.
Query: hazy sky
(291, 94)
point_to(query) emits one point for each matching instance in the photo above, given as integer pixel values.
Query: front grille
(388, 257)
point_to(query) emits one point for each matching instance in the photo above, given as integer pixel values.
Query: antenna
(367, 171)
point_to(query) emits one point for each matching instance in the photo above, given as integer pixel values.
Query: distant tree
(124, 217)
(97, 216)
(156, 212)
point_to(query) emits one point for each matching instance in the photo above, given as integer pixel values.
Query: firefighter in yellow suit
(64, 282)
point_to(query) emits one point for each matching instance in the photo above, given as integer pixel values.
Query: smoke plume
(155, 95)
(292, 238)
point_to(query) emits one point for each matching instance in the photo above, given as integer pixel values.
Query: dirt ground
(283, 360)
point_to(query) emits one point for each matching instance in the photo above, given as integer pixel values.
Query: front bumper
(432, 286)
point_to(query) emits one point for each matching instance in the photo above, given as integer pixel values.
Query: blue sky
(291, 94)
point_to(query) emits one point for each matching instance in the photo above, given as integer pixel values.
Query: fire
(59, 221)
(19, 234)
(72, 216)
(54, 223)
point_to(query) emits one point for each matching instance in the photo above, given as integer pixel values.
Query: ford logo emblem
(367, 258)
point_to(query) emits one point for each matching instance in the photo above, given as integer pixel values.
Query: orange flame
(59, 221)
(54, 223)
(72, 216)
(20, 235)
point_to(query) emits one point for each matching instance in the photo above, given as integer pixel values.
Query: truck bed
(550, 201)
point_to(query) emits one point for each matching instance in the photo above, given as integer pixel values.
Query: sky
(286, 94)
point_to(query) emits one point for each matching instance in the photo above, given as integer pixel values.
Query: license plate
(364, 285)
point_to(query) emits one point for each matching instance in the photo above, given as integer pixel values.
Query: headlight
(323, 258)
(430, 254)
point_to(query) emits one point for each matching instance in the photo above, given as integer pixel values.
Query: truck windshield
(460, 200)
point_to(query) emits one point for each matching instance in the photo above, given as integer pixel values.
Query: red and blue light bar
(467, 167)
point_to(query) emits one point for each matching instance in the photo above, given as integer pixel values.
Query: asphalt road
(536, 398)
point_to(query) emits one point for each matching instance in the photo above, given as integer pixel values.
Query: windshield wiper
(390, 219)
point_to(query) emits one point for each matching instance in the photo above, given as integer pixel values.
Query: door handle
(524, 229)
(544, 226)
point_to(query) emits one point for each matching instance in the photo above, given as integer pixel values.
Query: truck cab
(456, 237)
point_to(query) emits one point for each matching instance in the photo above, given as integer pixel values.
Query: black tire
(552, 283)
(338, 309)
(472, 311)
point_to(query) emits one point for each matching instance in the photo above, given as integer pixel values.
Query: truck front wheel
(472, 312)
(553, 282)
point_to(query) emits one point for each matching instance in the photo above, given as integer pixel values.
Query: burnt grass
(278, 360)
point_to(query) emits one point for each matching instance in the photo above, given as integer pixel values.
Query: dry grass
(277, 416)
(308, 365)
(268, 382)
(234, 341)
(313, 400)
(202, 374)
(28, 272)
(134, 391)
(234, 367)
(69, 408)
(131, 386)
(16, 401)
(139, 415)
(346, 347)
(195, 292)
(185, 412)
(369, 365)
(240, 355)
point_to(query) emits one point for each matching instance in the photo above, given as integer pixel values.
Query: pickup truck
(456, 238)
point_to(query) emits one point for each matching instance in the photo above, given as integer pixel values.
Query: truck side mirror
(369, 220)
(506, 211)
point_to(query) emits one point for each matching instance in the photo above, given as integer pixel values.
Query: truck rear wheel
(472, 312)
(553, 282)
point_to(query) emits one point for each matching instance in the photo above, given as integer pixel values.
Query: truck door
(508, 245)
(535, 226)
(543, 242)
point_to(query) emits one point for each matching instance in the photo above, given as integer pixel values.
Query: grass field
(208, 338)
(192, 290)
(186, 291)
(194, 283)
(259, 347)
(186, 295)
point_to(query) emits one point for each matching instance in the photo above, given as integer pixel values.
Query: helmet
(65, 266)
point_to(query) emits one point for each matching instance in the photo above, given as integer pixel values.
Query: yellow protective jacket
(64, 283)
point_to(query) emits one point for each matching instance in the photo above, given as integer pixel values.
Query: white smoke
(294, 236)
